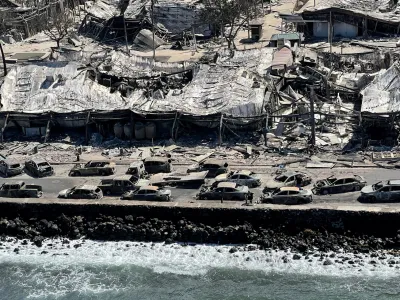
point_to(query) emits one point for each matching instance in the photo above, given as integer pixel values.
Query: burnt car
(137, 169)
(286, 179)
(243, 177)
(121, 184)
(287, 196)
(39, 167)
(214, 167)
(20, 190)
(176, 179)
(10, 167)
(225, 191)
(148, 193)
(381, 192)
(84, 191)
(157, 164)
(102, 168)
(334, 185)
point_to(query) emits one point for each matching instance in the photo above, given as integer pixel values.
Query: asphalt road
(52, 185)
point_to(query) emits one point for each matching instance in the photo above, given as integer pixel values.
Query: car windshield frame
(378, 186)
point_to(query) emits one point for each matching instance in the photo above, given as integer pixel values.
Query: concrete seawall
(359, 221)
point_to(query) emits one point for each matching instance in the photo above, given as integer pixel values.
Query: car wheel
(357, 188)
(324, 192)
(371, 199)
(103, 173)
(108, 193)
(74, 174)
(204, 198)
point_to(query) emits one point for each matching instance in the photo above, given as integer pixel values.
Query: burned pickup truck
(334, 185)
(121, 184)
(102, 168)
(20, 190)
(192, 180)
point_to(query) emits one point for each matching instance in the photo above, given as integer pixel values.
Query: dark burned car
(157, 164)
(137, 169)
(39, 167)
(287, 196)
(287, 179)
(148, 193)
(242, 177)
(10, 167)
(214, 167)
(334, 185)
(20, 190)
(381, 192)
(102, 168)
(225, 191)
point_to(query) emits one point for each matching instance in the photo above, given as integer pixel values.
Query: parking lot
(53, 184)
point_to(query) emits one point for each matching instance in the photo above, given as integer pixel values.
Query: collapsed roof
(380, 9)
(121, 65)
(255, 60)
(214, 89)
(382, 95)
(57, 87)
(104, 9)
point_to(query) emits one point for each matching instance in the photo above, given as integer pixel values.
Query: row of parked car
(147, 179)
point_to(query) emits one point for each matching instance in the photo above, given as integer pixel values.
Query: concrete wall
(339, 29)
(320, 29)
(331, 220)
(344, 30)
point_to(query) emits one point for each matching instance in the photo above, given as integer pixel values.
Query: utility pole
(331, 33)
(126, 37)
(152, 24)
(4, 59)
(312, 115)
(194, 39)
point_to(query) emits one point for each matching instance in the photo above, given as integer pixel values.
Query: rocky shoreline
(129, 228)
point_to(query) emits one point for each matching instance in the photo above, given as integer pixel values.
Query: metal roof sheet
(282, 58)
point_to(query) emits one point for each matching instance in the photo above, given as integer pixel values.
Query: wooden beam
(46, 136)
(87, 128)
(3, 128)
(132, 126)
(220, 129)
(173, 125)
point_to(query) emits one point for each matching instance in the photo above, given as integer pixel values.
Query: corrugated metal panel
(282, 58)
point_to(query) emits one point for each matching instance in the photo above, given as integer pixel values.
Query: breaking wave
(79, 267)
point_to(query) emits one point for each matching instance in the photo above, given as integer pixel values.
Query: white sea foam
(189, 260)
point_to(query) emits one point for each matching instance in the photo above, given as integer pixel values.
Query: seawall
(277, 227)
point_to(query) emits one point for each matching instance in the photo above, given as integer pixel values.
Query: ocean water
(129, 270)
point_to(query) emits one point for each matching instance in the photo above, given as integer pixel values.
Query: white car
(243, 177)
(82, 192)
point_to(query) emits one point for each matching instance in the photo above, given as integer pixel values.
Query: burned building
(109, 20)
(348, 19)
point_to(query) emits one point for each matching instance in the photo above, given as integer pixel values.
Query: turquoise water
(124, 270)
